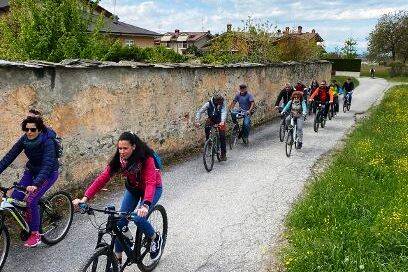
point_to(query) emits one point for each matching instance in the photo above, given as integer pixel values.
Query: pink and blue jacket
(145, 178)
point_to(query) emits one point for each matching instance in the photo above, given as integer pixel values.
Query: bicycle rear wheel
(208, 155)
(56, 217)
(158, 218)
(4, 244)
(101, 260)
(344, 106)
(289, 143)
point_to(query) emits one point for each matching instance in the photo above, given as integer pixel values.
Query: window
(185, 45)
(129, 42)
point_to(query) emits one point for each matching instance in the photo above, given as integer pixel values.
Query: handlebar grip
(83, 207)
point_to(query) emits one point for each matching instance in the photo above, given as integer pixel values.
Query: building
(128, 34)
(180, 41)
(312, 36)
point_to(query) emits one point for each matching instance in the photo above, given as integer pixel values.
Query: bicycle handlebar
(15, 186)
(86, 209)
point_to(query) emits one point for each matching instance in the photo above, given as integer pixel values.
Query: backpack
(157, 161)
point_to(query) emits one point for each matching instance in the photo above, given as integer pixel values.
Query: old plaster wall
(90, 106)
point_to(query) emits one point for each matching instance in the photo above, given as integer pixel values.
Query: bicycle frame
(7, 206)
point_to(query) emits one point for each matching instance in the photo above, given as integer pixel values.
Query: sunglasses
(30, 129)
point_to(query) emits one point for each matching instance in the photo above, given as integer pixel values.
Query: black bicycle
(292, 137)
(346, 102)
(282, 127)
(319, 118)
(237, 131)
(103, 259)
(56, 213)
(212, 148)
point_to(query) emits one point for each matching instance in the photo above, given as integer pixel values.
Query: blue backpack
(157, 161)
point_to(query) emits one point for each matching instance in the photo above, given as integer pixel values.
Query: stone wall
(90, 104)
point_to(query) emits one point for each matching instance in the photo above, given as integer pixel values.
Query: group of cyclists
(136, 161)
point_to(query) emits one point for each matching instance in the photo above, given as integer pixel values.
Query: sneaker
(34, 240)
(156, 247)
(299, 145)
(245, 140)
(223, 157)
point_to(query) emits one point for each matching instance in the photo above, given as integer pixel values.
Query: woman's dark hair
(141, 153)
(38, 121)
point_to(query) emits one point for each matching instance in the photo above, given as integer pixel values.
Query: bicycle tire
(91, 265)
(139, 241)
(218, 151)
(4, 242)
(289, 143)
(233, 138)
(52, 210)
(282, 131)
(344, 106)
(330, 113)
(208, 147)
(322, 121)
(348, 106)
(316, 122)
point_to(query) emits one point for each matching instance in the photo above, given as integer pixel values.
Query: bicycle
(56, 213)
(212, 147)
(346, 102)
(292, 136)
(331, 112)
(282, 127)
(237, 131)
(104, 258)
(319, 118)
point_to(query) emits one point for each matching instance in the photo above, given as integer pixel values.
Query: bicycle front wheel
(101, 260)
(344, 106)
(56, 217)
(348, 106)
(316, 123)
(4, 244)
(289, 143)
(233, 138)
(158, 219)
(208, 155)
(322, 121)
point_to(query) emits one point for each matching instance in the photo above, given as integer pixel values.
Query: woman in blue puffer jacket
(40, 173)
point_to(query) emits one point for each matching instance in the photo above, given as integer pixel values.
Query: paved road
(226, 220)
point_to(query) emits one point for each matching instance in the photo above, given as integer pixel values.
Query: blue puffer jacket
(41, 154)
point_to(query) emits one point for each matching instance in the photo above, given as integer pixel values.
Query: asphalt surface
(226, 220)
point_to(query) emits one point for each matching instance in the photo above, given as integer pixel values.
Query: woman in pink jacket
(134, 160)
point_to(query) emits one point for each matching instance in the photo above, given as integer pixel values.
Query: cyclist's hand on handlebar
(142, 211)
(31, 189)
(78, 201)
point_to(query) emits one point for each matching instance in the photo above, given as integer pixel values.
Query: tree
(389, 39)
(51, 30)
(297, 49)
(349, 50)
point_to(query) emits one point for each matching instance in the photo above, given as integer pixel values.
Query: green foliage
(298, 50)
(349, 50)
(351, 65)
(354, 217)
(389, 39)
(162, 54)
(50, 30)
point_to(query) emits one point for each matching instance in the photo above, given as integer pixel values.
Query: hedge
(349, 65)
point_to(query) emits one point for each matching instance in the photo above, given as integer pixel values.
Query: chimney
(229, 27)
(313, 31)
(279, 32)
(287, 30)
(177, 31)
(299, 29)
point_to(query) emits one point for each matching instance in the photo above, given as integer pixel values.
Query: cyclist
(297, 107)
(217, 115)
(40, 173)
(334, 91)
(133, 160)
(372, 72)
(323, 96)
(300, 87)
(348, 88)
(246, 104)
(284, 94)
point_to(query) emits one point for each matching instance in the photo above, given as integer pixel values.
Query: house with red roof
(180, 41)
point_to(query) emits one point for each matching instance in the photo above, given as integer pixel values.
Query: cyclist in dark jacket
(285, 94)
(41, 170)
(348, 88)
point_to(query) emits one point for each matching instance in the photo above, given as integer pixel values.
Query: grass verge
(383, 72)
(354, 216)
(342, 79)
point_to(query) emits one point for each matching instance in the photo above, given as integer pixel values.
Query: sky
(334, 20)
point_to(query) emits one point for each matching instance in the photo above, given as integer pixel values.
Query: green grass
(382, 72)
(354, 217)
(342, 79)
